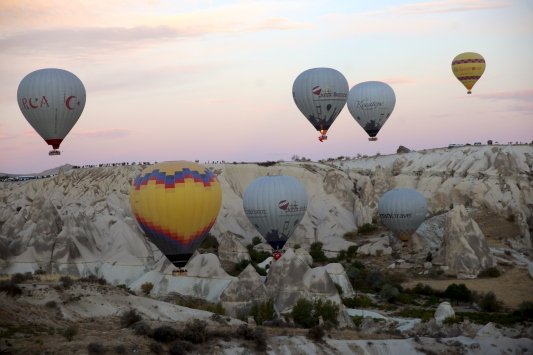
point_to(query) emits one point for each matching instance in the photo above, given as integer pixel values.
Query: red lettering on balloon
(25, 103)
(44, 101)
(31, 105)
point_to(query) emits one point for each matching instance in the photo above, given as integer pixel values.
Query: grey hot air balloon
(371, 103)
(402, 211)
(52, 101)
(320, 94)
(275, 205)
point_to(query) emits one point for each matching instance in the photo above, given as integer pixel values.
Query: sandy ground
(513, 287)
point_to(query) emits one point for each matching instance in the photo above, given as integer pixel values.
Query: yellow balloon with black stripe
(176, 204)
(468, 67)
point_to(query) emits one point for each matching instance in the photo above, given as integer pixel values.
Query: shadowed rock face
(230, 250)
(464, 248)
(241, 294)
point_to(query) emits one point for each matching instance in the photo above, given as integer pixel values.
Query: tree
(458, 293)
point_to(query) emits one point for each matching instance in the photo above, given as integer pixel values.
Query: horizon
(212, 81)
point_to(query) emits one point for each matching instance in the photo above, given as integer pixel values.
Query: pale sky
(212, 80)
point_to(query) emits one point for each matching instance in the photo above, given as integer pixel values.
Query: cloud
(102, 133)
(516, 95)
(434, 7)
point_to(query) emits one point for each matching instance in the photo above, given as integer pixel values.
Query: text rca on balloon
(28, 104)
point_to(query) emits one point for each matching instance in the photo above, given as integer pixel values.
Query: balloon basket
(179, 272)
(277, 254)
(373, 139)
(323, 138)
(54, 152)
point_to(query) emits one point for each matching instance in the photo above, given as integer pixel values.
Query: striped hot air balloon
(52, 101)
(468, 67)
(176, 204)
(275, 205)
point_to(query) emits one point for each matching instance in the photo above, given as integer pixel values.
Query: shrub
(70, 332)
(489, 272)
(263, 311)
(429, 257)
(195, 331)
(147, 287)
(119, 349)
(361, 301)
(20, 278)
(258, 240)
(317, 253)
(258, 335)
(51, 304)
(10, 288)
(421, 289)
(93, 280)
(128, 318)
(307, 313)
(142, 328)
(302, 313)
(180, 347)
(257, 256)
(316, 333)
(525, 309)
(352, 251)
(209, 243)
(388, 292)
(156, 348)
(241, 265)
(367, 228)
(489, 303)
(39, 272)
(95, 348)
(165, 334)
(66, 281)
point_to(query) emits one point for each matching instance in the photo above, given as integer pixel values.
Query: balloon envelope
(275, 205)
(402, 211)
(320, 94)
(468, 67)
(176, 204)
(52, 101)
(371, 103)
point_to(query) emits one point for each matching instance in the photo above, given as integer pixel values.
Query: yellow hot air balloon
(176, 204)
(468, 68)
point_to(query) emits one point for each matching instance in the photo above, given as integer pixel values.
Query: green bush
(129, 317)
(70, 332)
(423, 314)
(10, 288)
(317, 253)
(147, 288)
(263, 311)
(306, 313)
(257, 256)
(489, 272)
(165, 334)
(66, 281)
(95, 348)
(209, 243)
(93, 280)
(195, 331)
(257, 240)
(489, 303)
(388, 292)
(352, 251)
(316, 333)
(525, 309)
(367, 228)
(361, 301)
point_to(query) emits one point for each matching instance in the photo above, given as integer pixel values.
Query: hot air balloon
(275, 205)
(320, 94)
(371, 104)
(468, 68)
(402, 211)
(175, 204)
(51, 100)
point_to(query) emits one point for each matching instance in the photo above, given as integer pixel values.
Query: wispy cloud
(433, 7)
(517, 95)
(102, 133)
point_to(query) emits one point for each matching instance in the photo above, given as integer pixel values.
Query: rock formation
(444, 310)
(241, 294)
(464, 249)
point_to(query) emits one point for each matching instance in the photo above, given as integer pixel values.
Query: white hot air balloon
(275, 205)
(402, 211)
(320, 94)
(371, 104)
(52, 101)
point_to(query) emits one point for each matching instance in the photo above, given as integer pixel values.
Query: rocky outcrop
(239, 297)
(376, 247)
(230, 250)
(338, 276)
(444, 310)
(464, 249)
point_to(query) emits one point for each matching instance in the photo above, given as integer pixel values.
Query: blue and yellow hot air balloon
(176, 204)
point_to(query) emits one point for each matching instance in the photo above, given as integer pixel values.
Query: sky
(212, 80)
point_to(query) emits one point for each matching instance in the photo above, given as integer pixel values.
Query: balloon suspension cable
(54, 152)
(373, 139)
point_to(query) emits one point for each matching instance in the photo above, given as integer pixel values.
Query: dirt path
(513, 287)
